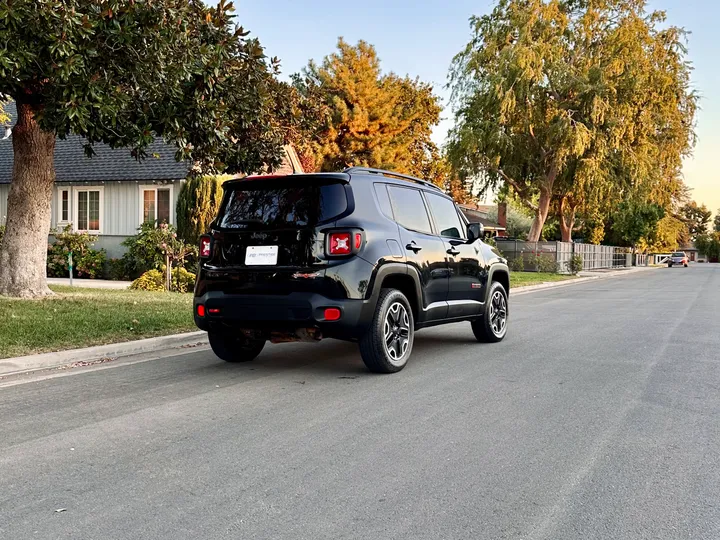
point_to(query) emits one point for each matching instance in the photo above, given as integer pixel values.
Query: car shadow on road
(338, 358)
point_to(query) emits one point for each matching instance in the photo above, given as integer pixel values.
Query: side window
(446, 216)
(409, 209)
(384, 200)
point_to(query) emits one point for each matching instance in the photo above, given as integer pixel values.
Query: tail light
(340, 243)
(205, 242)
(344, 242)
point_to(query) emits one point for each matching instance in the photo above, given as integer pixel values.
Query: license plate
(261, 255)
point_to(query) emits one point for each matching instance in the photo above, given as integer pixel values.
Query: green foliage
(203, 84)
(182, 280)
(518, 263)
(197, 206)
(152, 280)
(634, 222)
(2, 233)
(582, 103)
(91, 264)
(78, 243)
(144, 250)
(372, 119)
(716, 222)
(546, 263)
(697, 219)
(709, 245)
(575, 264)
(115, 269)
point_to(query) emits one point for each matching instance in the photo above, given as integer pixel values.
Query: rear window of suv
(275, 206)
(678, 254)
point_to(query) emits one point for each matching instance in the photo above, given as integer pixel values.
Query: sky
(420, 37)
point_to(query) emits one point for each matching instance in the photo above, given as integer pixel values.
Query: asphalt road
(597, 418)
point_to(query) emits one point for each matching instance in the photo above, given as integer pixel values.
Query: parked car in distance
(677, 258)
(364, 255)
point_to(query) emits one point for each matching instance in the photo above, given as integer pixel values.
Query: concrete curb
(35, 362)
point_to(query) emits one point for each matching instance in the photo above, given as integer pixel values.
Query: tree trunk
(23, 254)
(543, 204)
(567, 220)
(540, 216)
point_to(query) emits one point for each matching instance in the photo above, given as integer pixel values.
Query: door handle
(412, 246)
(453, 251)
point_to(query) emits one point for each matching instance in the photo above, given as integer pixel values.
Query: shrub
(152, 280)
(518, 263)
(2, 233)
(575, 264)
(116, 270)
(91, 264)
(182, 280)
(144, 252)
(547, 263)
(197, 206)
(67, 241)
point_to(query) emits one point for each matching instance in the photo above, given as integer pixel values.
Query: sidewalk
(90, 283)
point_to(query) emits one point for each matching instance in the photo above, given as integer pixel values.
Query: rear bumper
(232, 312)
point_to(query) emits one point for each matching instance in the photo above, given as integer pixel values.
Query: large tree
(696, 218)
(124, 73)
(716, 221)
(373, 119)
(576, 101)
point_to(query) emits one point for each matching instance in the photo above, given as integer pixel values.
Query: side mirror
(475, 231)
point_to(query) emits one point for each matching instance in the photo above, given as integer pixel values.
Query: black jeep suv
(364, 255)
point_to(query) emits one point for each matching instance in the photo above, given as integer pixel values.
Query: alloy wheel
(396, 333)
(498, 313)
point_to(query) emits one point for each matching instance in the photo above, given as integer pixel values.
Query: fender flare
(498, 269)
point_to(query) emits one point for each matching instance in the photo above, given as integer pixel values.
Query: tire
(669, 265)
(235, 348)
(492, 326)
(393, 319)
(685, 265)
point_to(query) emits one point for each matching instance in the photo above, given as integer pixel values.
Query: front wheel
(387, 344)
(235, 348)
(492, 327)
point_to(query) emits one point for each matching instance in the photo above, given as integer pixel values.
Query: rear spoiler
(299, 178)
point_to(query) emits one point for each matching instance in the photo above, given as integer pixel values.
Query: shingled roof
(72, 165)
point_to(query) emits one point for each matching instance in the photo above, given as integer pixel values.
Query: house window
(64, 206)
(156, 205)
(88, 204)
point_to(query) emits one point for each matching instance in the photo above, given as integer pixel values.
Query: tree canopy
(124, 73)
(576, 102)
(697, 219)
(373, 119)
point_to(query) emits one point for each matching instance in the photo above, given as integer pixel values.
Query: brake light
(358, 240)
(340, 243)
(201, 310)
(204, 246)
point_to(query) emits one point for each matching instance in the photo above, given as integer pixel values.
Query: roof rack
(391, 174)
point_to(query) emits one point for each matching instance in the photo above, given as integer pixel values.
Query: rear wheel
(669, 265)
(492, 327)
(387, 344)
(235, 348)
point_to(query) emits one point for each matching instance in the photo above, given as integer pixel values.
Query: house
(481, 214)
(111, 194)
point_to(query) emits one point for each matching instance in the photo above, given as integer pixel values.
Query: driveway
(597, 418)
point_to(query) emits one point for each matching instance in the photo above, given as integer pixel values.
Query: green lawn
(84, 317)
(519, 279)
